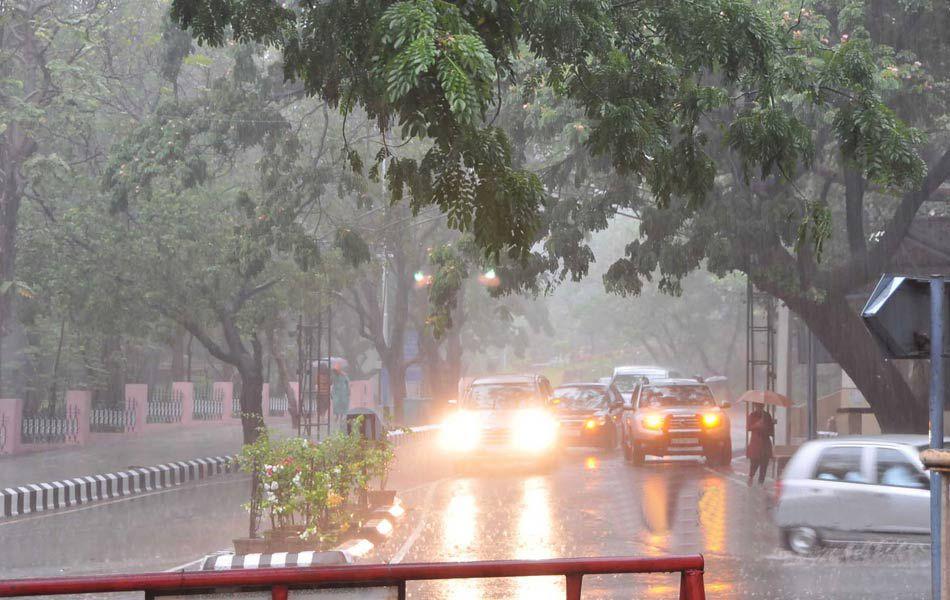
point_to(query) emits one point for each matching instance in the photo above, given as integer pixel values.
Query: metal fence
(164, 406)
(51, 430)
(277, 406)
(209, 404)
(236, 406)
(284, 583)
(113, 420)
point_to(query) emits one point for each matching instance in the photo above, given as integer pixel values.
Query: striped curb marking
(223, 562)
(379, 528)
(40, 497)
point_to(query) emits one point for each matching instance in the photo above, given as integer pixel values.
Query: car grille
(495, 436)
(683, 422)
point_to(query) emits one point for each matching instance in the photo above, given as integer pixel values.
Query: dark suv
(676, 417)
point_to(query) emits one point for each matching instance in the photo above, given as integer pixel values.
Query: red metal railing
(280, 580)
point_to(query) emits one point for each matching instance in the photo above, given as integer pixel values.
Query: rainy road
(593, 504)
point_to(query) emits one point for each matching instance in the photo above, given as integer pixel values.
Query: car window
(840, 463)
(676, 395)
(626, 383)
(895, 469)
(501, 396)
(580, 398)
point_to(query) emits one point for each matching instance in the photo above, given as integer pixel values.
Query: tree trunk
(397, 389)
(252, 400)
(283, 379)
(178, 354)
(843, 333)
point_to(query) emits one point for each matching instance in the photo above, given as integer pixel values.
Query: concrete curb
(41, 497)
(376, 530)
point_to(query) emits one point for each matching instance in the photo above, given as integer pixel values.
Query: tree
(708, 116)
(200, 256)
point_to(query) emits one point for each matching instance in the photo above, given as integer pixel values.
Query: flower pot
(249, 545)
(288, 531)
(377, 498)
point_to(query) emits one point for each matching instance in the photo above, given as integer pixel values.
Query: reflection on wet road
(596, 505)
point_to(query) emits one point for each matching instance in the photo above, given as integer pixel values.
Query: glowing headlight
(534, 430)
(461, 432)
(595, 423)
(653, 422)
(711, 419)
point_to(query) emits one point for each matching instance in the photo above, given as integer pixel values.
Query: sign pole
(936, 429)
(812, 387)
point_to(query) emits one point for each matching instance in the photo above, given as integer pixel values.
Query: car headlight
(653, 422)
(711, 419)
(534, 430)
(594, 423)
(461, 432)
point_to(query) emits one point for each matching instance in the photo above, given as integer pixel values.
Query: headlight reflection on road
(458, 536)
(535, 540)
(712, 514)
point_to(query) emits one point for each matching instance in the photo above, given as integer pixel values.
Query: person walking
(761, 428)
(341, 395)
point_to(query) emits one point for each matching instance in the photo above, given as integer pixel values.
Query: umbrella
(334, 361)
(765, 397)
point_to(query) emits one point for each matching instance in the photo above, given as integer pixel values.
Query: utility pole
(812, 387)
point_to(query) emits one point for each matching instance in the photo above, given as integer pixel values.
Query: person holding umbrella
(761, 428)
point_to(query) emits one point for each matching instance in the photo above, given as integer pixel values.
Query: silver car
(870, 489)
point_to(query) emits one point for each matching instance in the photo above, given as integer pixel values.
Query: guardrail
(280, 580)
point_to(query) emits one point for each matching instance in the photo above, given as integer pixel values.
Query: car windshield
(580, 398)
(676, 395)
(501, 396)
(626, 382)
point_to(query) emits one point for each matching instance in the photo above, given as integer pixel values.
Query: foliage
(315, 485)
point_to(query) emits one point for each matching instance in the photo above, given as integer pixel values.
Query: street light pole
(936, 432)
(812, 387)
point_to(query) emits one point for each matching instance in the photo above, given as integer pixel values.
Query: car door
(831, 500)
(900, 502)
(629, 412)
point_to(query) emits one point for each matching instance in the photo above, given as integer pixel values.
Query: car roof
(670, 381)
(640, 370)
(505, 379)
(905, 439)
(593, 384)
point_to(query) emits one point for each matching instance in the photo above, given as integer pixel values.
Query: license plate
(685, 441)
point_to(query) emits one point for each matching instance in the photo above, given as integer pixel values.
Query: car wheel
(625, 446)
(637, 457)
(726, 459)
(610, 439)
(803, 541)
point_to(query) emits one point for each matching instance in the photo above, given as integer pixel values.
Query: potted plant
(378, 461)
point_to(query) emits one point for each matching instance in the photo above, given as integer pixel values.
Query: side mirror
(727, 404)
(453, 401)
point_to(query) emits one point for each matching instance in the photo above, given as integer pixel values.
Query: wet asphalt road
(595, 504)
(592, 504)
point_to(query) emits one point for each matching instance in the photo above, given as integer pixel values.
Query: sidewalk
(150, 448)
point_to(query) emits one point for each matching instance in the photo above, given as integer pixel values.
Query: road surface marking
(55, 513)
(417, 530)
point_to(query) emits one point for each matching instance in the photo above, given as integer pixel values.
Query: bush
(312, 486)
